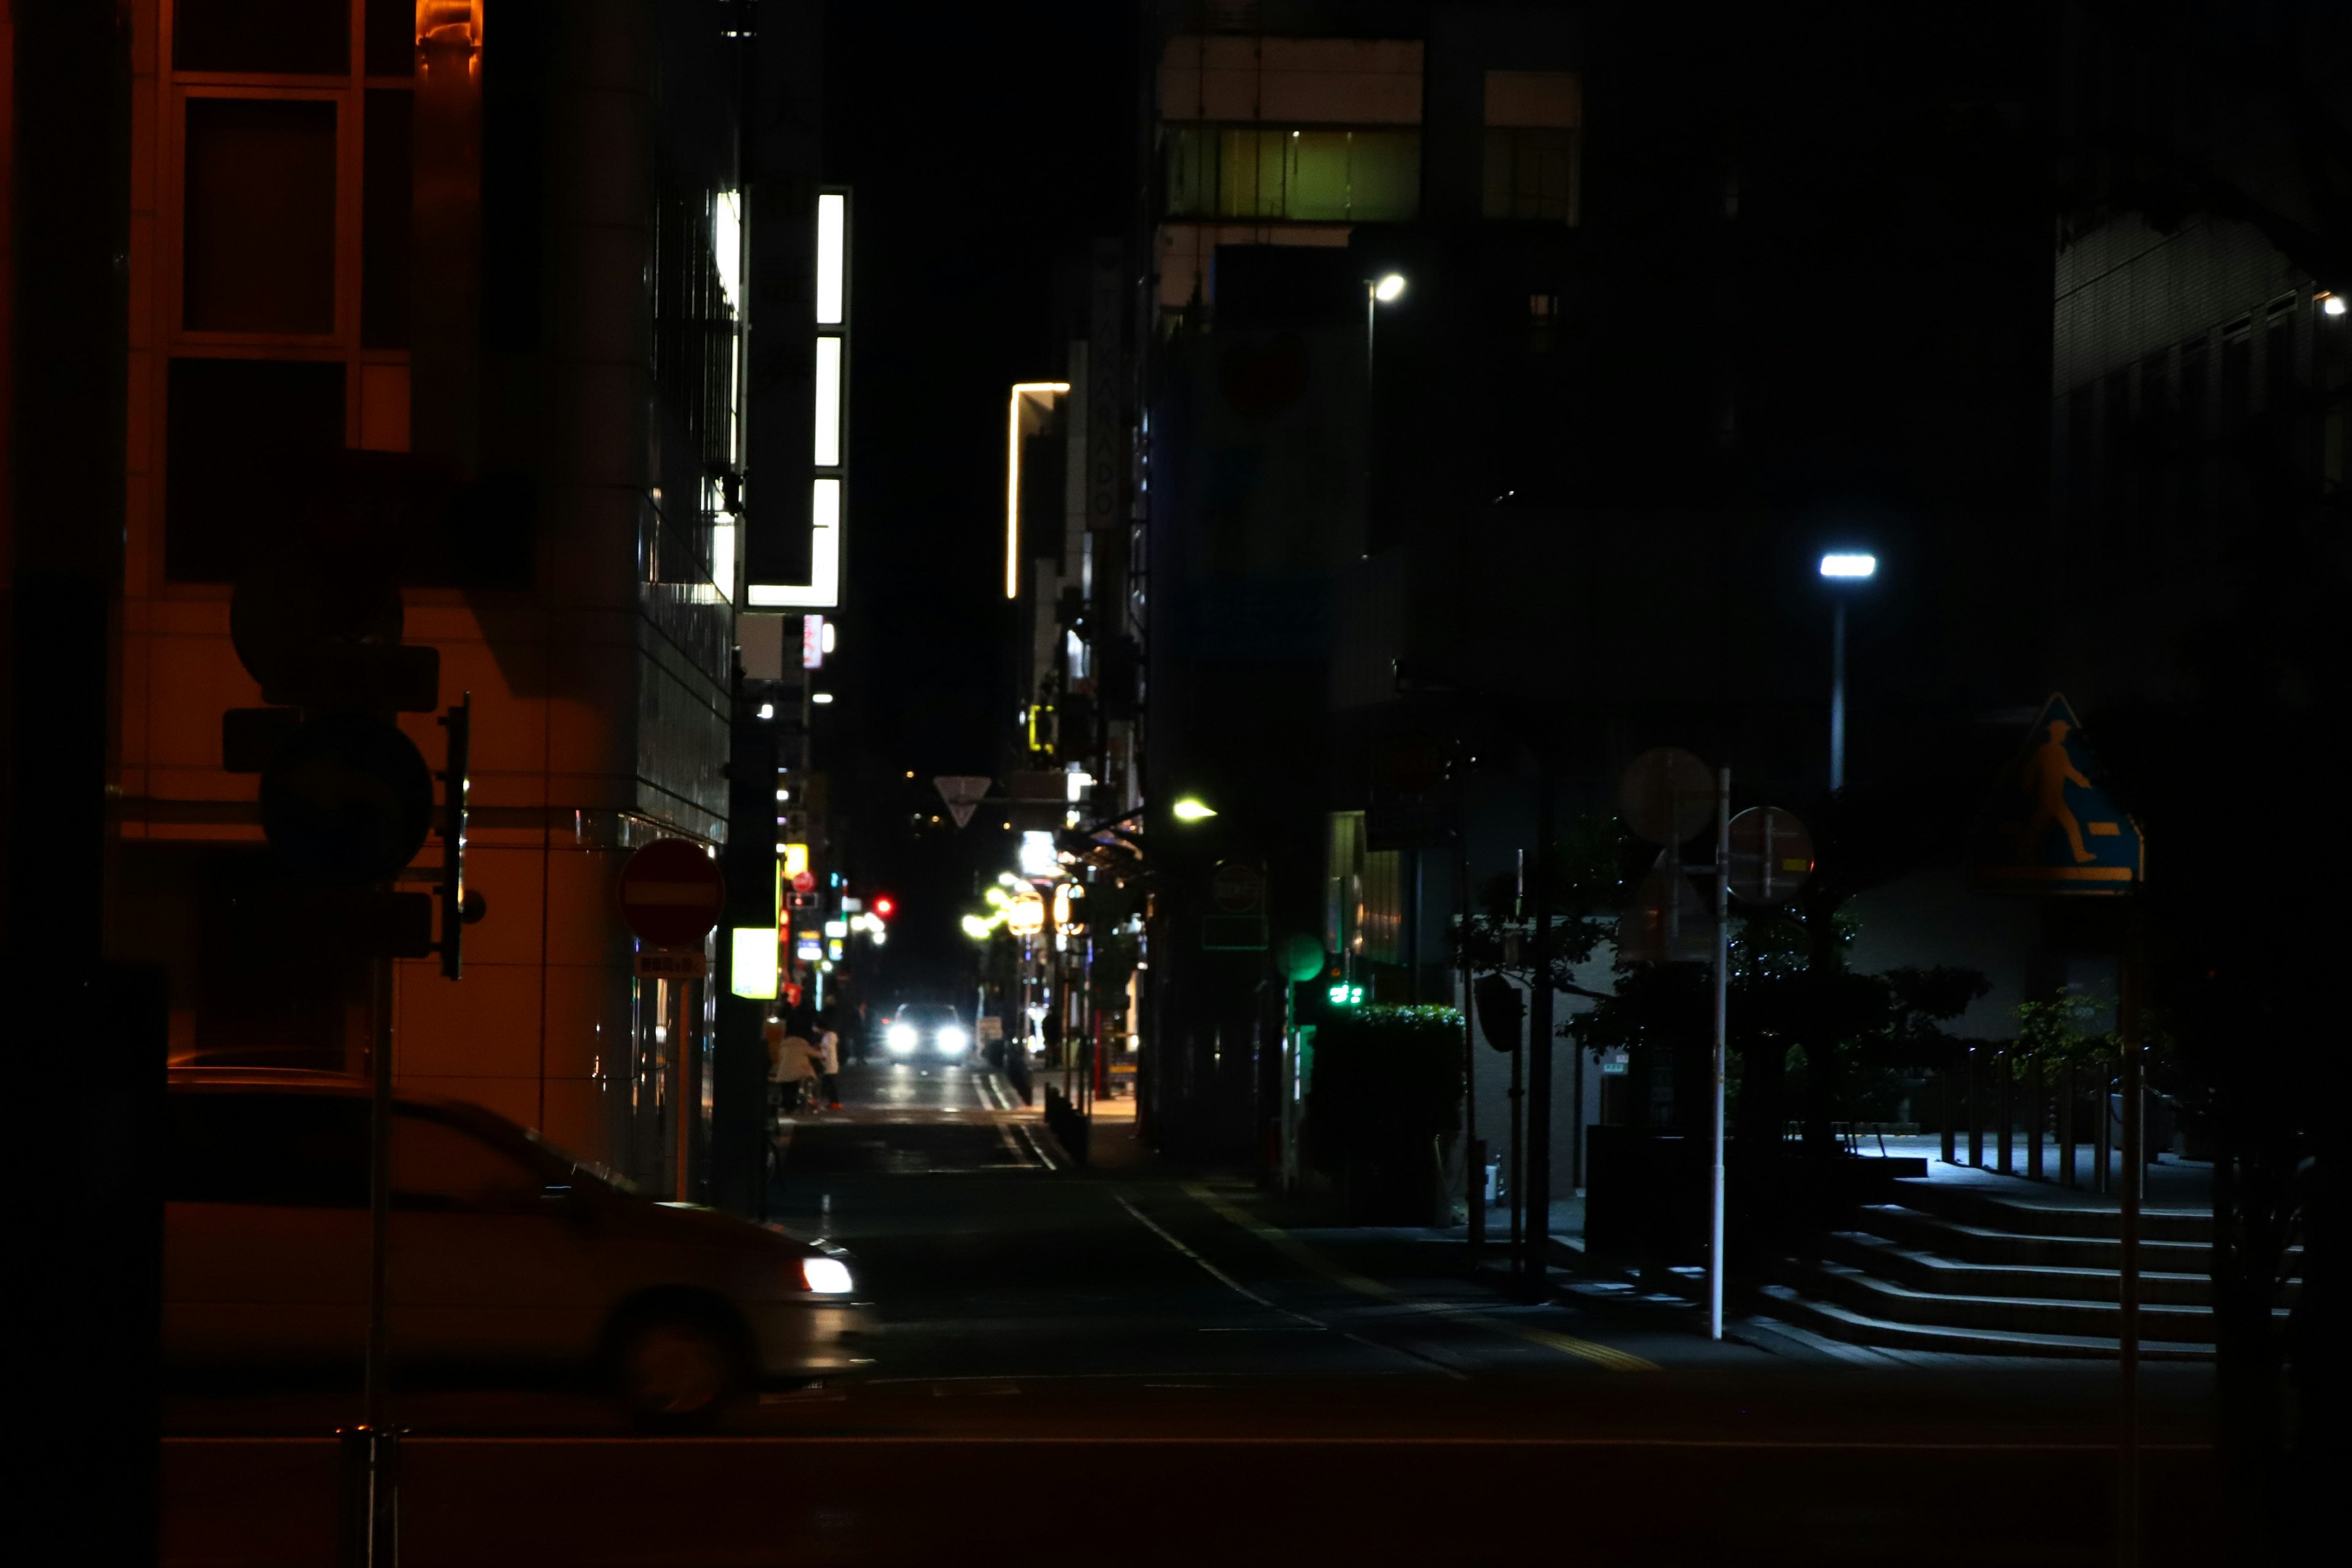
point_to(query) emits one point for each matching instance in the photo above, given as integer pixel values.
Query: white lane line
(1038, 1149)
(1219, 1275)
(1012, 1144)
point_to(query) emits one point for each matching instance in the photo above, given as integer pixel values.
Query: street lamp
(1387, 289)
(1841, 568)
(1191, 810)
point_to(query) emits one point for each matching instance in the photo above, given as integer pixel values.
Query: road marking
(1247, 1441)
(1012, 1144)
(1230, 1283)
(1038, 1149)
(1222, 1277)
(1290, 1247)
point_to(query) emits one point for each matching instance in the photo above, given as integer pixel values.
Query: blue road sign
(2051, 826)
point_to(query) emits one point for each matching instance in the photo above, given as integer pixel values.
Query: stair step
(1932, 1272)
(1970, 1242)
(1842, 1323)
(1975, 1205)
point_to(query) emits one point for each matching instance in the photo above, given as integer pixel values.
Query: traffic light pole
(1537, 1232)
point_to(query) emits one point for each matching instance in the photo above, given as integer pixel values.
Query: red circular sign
(1237, 888)
(804, 881)
(671, 893)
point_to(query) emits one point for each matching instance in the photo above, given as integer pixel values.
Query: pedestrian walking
(791, 1066)
(828, 1061)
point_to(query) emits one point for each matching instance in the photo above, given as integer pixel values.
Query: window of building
(267, 38)
(1533, 119)
(285, 125)
(259, 242)
(1299, 175)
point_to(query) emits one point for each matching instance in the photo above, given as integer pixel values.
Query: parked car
(926, 1031)
(505, 1253)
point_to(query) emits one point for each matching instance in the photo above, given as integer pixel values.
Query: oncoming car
(925, 1031)
(506, 1254)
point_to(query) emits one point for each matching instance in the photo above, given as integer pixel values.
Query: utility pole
(1722, 1016)
(1538, 1233)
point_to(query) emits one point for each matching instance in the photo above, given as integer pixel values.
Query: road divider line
(1605, 1356)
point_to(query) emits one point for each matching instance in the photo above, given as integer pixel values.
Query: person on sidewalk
(792, 1065)
(827, 1056)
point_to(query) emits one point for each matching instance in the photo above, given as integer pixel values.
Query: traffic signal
(346, 797)
(885, 906)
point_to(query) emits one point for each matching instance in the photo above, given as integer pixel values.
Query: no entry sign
(671, 892)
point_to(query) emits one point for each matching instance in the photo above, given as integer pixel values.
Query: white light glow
(826, 1276)
(902, 1037)
(828, 635)
(1021, 389)
(823, 590)
(1190, 810)
(2332, 304)
(722, 555)
(831, 256)
(754, 953)
(1388, 289)
(820, 698)
(828, 403)
(768, 710)
(1037, 858)
(727, 245)
(1849, 566)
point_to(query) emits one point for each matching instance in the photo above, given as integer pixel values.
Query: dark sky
(981, 143)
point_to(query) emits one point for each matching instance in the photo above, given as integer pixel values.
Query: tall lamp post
(1840, 569)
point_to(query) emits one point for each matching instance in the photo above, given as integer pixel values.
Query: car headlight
(826, 1276)
(952, 1038)
(903, 1037)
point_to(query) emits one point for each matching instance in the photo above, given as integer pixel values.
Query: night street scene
(1175, 781)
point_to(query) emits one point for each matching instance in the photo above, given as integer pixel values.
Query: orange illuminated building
(498, 244)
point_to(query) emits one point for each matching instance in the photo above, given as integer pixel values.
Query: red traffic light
(886, 906)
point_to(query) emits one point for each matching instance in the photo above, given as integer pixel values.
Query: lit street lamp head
(1191, 810)
(1388, 288)
(1849, 566)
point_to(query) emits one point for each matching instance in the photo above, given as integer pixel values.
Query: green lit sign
(1347, 996)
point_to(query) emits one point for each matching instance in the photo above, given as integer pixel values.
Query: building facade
(459, 289)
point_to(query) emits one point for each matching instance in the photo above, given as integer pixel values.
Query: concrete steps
(1951, 1267)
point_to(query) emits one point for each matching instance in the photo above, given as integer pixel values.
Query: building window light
(831, 256)
(828, 403)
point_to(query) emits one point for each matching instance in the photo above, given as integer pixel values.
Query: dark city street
(1427, 782)
(1053, 1338)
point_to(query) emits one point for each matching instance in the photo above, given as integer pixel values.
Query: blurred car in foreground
(505, 1253)
(925, 1031)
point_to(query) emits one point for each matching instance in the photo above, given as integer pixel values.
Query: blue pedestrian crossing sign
(2051, 826)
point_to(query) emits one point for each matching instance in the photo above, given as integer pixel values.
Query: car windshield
(929, 1016)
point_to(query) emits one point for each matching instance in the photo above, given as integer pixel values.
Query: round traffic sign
(1771, 856)
(1238, 888)
(804, 881)
(1666, 795)
(671, 892)
(348, 798)
(1299, 956)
